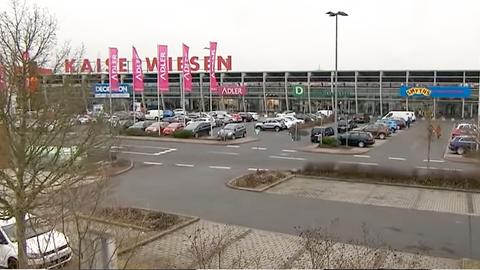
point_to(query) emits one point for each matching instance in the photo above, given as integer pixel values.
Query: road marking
(233, 146)
(220, 167)
(434, 160)
(359, 163)
(257, 169)
(289, 151)
(290, 158)
(223, 153)
(143, 146)
(397, 158)
(135, 153)
(152, 163)
(184, 165)
(259, 148)
(361, 156)
(166, 151)
(427, 168)
(452, 169)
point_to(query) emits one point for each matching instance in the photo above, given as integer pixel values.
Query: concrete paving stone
(392, 196)
(323, 189)
(443, 201)
(260, 249)
(476, 203)
(174, 250)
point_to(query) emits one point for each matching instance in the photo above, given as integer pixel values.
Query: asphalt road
(190, 179)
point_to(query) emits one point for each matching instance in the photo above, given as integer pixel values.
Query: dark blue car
(463, 144)
(168, 113)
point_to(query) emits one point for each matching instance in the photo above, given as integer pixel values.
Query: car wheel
(460, 151)
(196, 135)
(156, 118)
(361, 144)
(277, 129)
(244, 134)
(12, 263)
(258, 128)
(233, 137)
(381, 136)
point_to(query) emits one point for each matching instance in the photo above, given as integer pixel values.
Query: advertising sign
(113, 68)
(213, 79)
(298, 90)
(232, 90)
(102, 90)
(436, 91)
(162, 73)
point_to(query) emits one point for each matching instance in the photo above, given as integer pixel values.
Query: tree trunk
(21, 240)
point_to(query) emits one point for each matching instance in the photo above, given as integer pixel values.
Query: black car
(317, 131)
(356, 138)
(361, 118)
(304, 117)
(344, 125)
(462, 144)
(246, 117)
(198, 128)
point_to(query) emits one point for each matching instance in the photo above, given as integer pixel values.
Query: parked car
(46, 247)
(356, 138)
(400, 122)
(246, 117)
(168, 113)
(209, 120)
(141, 125)
(179, 112)
(156, 127)
(392, 124)
(325, 113)
(172, 127)
(401, 114)
(465, 129)
(464, 143)
(199, 128)
(379, 131)
(286, 121)
(154, 115)
(270, 124)
(236, 118)
(304, 117)
(295, 120)
(285, 113)
(232, 131)
(324, 131)
(361, 118)
(344, 125)
(254, 115)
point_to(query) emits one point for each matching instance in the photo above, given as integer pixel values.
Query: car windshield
(32, 229)
(229, 127)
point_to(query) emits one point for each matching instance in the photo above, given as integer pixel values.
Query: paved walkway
(382, 195)
(242, 247)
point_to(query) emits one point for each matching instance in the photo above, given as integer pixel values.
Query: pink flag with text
(212, 60)
(137, 72)
(113, 69)
(162, 69)
(187, 75)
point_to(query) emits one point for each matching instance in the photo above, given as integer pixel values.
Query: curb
(192, 141)
(159, 235)
(231, 184)
(386, 183)
(336, 151)
(124, 170)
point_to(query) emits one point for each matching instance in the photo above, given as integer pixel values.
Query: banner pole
(158, 111)
(133, 106)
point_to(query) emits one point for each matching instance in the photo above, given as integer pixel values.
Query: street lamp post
(336, 14)
(211, 106)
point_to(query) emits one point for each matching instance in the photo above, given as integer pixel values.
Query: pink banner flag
(162, 70)
(113, 69)
(187, 75)
(137, 71)
(212, 60)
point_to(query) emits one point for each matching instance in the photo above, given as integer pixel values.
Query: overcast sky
(282, 34)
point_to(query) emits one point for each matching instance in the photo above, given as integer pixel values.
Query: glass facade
(371, 92)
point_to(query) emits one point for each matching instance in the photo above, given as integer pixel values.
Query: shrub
(183, 134)
(133, 132)
(330, 141)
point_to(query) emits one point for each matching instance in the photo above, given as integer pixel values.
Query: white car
(46, 248)
(210, 120)
(327, 113)
(295, 120)
(288, 122)
(254, 115)
(154, 115)
(179, 112)
(285, 113)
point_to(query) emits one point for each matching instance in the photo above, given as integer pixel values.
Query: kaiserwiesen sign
(151, 64)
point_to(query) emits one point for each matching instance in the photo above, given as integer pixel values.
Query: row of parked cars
(465, 137)
(351, 134)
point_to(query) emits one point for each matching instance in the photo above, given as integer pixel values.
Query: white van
(401, 114)
(46, 248)
(154, 115)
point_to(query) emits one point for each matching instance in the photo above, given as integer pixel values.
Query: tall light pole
(211, 106)
(336, 14)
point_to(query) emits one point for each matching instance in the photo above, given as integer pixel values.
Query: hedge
(183, 134)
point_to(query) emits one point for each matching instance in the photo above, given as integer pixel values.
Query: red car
(171, 128)
(237, 118)
(464, 129)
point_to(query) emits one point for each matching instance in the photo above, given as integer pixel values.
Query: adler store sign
(232, 90)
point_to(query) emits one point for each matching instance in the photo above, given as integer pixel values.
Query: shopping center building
(371, 92)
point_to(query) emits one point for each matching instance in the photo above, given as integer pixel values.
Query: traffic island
(472, 158)
(259, 181)
(340, 150)
(206, 140)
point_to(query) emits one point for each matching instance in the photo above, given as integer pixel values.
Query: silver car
(232, 131)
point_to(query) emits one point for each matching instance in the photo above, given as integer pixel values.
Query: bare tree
(46, 151)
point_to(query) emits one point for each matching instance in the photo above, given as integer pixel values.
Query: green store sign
(299, 90)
